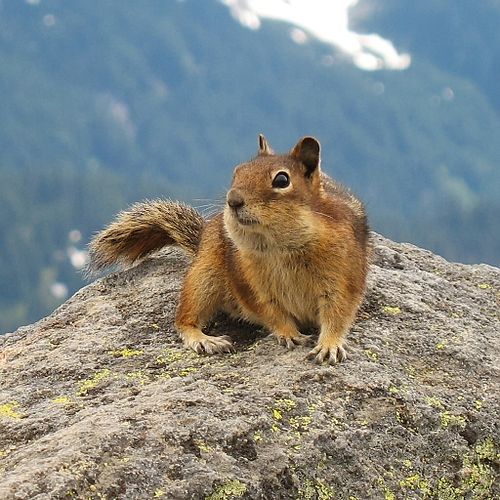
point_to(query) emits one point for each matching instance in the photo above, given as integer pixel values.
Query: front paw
(331, 354)
(210, 345)
(291, 341)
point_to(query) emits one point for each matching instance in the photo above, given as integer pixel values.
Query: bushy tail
(142, 229)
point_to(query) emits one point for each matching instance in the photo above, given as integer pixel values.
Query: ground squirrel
(288, 251)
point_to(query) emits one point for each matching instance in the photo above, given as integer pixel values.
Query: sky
(326, 21)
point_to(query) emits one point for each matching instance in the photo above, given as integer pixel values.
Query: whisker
(220, 199)
(325, 215)
(211, 211)
(209, 205)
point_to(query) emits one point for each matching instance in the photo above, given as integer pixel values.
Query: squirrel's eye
(281, 180)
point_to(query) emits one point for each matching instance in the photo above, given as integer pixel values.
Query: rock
(100, 400)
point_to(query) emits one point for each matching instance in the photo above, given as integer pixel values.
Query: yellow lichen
(203, 446)
(484, 286)
(226, 491)
(139, 376)
(307, 491)
(159, 493)
(126, 353)
(92, 382)
(257, 436)
(277, 414)
(388, 494)
(315, 489)
(450, 420)
(187, 371)
(487, 450)
(300, 423)
(416, 483)
(281, 406)
(62, 400)
(478, 477)
(434, 402)
(372, 355)
(475, 480)
(400, 417)
(337, 423)
(8, 410)
(323, 490)
(285, 404)
(391, 310)
(170, 356)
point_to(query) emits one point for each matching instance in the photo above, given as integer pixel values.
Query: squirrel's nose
(235, 199)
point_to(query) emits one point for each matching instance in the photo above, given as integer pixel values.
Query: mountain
(108, 102)
(461, 38)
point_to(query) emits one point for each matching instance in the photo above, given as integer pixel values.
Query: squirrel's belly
(294, 291)
(283, 283)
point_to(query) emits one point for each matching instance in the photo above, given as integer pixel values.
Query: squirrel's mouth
(246, 221)
(242, 216)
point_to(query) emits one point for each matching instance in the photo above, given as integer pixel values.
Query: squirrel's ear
(307, 150)
(264, 148)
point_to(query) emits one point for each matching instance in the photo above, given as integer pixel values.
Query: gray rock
(100, 400)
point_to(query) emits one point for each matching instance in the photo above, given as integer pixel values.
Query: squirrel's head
(269, 203)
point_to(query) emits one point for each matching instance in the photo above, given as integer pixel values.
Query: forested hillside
(46, 219)
(107, 102)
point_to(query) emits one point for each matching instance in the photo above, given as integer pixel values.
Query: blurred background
(108, 102)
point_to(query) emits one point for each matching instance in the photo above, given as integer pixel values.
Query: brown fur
(280, 257)
(144, 228)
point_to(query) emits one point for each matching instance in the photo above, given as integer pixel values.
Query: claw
(281, 341)
(197, 347)
(332, 355)
(292, 342)
(211, 345)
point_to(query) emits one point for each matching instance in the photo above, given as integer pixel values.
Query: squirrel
(290, 250)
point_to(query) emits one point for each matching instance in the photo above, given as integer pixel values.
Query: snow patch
(326, 21)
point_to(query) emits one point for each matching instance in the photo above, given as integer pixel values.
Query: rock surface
(100, 400)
